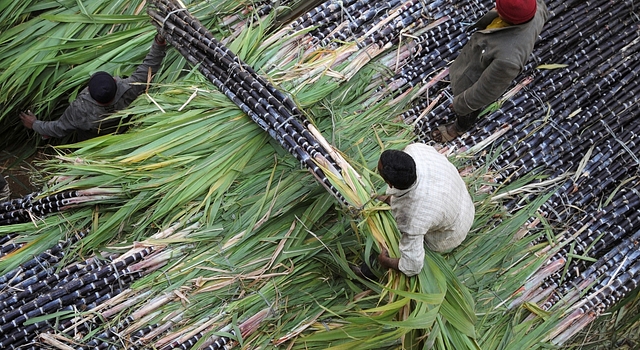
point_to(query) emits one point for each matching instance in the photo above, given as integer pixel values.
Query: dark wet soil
(20, 168)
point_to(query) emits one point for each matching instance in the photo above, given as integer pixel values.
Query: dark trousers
(465, 122)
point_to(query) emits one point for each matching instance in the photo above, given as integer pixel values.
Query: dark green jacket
(88, 117)
(491, 60)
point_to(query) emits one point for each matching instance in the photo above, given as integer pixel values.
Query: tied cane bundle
(37, 289)
(271, 109)
(21, 210)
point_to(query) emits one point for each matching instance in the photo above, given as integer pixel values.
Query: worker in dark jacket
(492, 58)
(88, 113)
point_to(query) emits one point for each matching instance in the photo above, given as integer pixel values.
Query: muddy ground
(20, 168)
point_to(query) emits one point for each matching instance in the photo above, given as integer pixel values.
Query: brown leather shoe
(446, 133)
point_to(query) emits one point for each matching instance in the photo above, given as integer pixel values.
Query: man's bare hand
(384, 198)
(386, 261)
(28, 119)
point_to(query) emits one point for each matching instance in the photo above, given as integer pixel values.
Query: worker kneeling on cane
(430, 203)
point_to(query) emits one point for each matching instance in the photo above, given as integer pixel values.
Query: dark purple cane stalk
(84, 291)
(185, 344)
(8, 245)
(17, 203)
(45, 281)
(221, 342)
(247, 327)
(34, 266)
(25, 209)
(270, 108)
(25, 334)
(109, 336)
(266, 7)
(612, 260)
(210, 40)
(4, 240)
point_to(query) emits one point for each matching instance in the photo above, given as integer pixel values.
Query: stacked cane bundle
(270, 108)
(21, 210)
(37, 288)
(363, 22)
(41, 287)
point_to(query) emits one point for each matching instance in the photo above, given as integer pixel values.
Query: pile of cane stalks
(197, 229)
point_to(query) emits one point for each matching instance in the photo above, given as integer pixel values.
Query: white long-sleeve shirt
(437, 209)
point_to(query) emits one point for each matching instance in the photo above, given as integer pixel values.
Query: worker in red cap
(105, 94)
(492, 58)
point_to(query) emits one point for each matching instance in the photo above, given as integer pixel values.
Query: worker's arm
(386, 261)
(411, 255)
(152, 61)
(493, 82)
(57, 128)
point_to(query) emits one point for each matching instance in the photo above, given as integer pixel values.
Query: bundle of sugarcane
(558, 146)
(32, 269)
(365, 23)
(7, 245)
(32, 207)
(167, 320)
(78, 286)
(587, 240)
(270, 108)
(614, 277)
(345, 36)
(292, 186)
(237, 16)
(595, 235)
(38, 291)
(565, 80)
(217, 341)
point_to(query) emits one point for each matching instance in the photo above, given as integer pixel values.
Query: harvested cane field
(229, 213)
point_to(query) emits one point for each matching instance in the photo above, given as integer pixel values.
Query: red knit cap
(516, 11)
